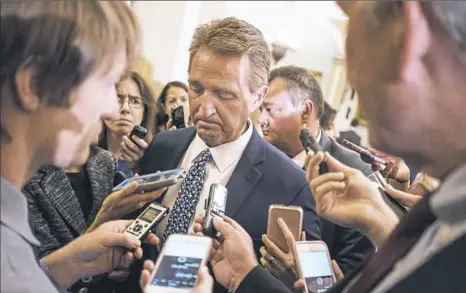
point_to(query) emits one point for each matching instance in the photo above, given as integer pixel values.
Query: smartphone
(138, 131)
(366, 156)
(147, 220)
(178, 264)
(310, 143)
(314, 266)
(153, 181)
(394, 204)
(177, 115)
(215, 206)
(293, 217)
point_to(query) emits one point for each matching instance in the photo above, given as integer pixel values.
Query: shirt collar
(300, 158)
(449, 201)
(226, 154)
(14, 211)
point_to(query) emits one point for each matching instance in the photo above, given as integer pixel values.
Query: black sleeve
(351, 248)
(261, 281)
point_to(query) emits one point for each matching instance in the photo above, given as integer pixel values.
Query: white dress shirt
(300, 158)
(225, 158)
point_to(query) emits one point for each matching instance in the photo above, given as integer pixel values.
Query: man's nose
(263, 119)
(207, 105)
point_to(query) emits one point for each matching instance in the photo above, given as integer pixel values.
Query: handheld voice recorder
(147, 220)
(215, 207)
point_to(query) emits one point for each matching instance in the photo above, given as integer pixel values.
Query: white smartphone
(314, 266)
(178, 264)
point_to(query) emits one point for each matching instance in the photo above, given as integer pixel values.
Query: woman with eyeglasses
(137, 107)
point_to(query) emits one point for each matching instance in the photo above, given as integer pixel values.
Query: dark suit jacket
(263, 176)
(348, 247)
(55, 215)
(351, 136)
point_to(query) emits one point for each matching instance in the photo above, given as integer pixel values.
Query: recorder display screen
(150, 214)
(179, 265)
(316, 271)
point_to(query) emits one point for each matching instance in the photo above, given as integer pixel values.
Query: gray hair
(302, 86)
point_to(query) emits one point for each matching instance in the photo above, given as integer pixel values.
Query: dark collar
(14, 211)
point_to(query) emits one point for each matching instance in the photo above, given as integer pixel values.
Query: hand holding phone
(177, 267)
(314, 266)
(293, 218)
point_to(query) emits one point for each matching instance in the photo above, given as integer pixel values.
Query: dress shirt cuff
(46, 270)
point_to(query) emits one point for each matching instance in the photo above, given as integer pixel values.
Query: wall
(168, 27)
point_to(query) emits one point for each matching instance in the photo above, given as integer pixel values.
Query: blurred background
(309, 34)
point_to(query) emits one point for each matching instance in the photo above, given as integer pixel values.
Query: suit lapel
(98, 177)
(246, 175)
(58, 188)
(177, 148)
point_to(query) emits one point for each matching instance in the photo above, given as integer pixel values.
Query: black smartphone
(138, 131)
(177, 114)
(310, 143)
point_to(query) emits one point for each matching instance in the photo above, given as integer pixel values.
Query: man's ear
(258, 98)
(417, 39)
(27, 99)
(306, 111)
(346, 6)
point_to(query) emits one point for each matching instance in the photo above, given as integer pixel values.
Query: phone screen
(180, 265)
(316, 271)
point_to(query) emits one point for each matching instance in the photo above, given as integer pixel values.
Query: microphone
(310, 143)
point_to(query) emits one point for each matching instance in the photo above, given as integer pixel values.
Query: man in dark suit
(294, 101)
(351, 135)
(410, 79)
(228, 76)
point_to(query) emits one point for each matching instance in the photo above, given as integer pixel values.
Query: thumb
(334, 165)
(204, 278)
(223, 227)
(130, 188)
(114, 240)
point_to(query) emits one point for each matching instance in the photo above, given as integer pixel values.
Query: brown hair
(234, 37)
(148, 99)
(62, 42)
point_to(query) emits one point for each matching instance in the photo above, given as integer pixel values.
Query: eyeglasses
(135, 103)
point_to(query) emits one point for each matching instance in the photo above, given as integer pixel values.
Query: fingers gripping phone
(314, 266)
(147, 220)
(215, 207)
(310, 143)
(138, 131)
(178, 264)
(153, 181)
(177, 115)
(292, 216)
